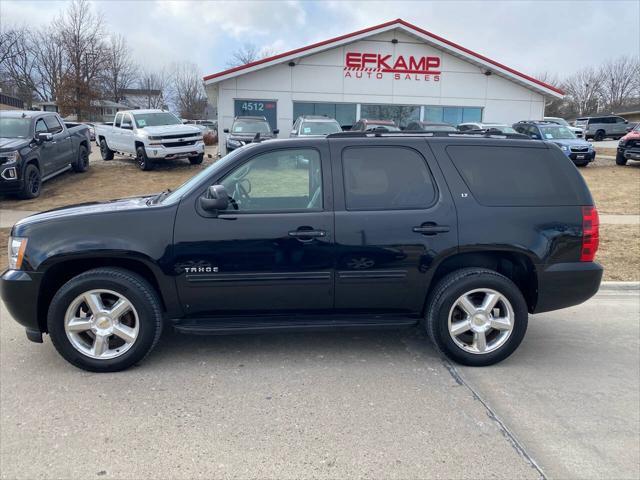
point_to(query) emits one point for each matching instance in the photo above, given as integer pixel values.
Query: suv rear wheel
(599, 136)
(476, 316)
(105, 320)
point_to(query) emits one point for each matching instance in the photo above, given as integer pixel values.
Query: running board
(229, 326)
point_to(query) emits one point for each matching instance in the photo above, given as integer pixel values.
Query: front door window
(277, 181)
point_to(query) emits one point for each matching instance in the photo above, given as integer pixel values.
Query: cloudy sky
(534, 37)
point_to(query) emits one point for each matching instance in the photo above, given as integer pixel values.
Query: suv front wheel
(105, 320)
(476, 316)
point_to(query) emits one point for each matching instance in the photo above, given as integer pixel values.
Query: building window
(401, 114)
(452, 115)
(344, 113)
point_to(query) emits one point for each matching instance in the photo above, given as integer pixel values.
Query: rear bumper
(566, 284)
(19, 291)
(170, 153)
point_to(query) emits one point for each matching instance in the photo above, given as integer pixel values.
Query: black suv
(244, 130)
(461, 235)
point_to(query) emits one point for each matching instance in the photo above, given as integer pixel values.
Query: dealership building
(394, 71)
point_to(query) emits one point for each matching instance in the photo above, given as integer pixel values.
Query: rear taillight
(590, 234)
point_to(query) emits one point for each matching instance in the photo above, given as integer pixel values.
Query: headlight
(154, 138)
(10, 157)
(622, 142)
(17, 246)
(564, 148)
(234, 143)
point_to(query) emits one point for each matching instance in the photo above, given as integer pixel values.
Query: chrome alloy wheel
(481, 321)
(101, 324)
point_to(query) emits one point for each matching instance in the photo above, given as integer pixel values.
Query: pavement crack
(506, 432)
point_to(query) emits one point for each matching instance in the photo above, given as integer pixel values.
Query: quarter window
(41, 127)
(386, 178)
(281, 180)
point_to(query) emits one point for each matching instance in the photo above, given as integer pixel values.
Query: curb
(619, 286)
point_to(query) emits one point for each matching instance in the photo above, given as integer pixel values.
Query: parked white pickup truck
(150, 135)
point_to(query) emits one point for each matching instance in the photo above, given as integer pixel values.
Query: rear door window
(519, 176)
(386, 178)
(53, 124)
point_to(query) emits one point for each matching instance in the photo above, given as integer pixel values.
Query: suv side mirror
(276, 131)
(215, 199)
(226, 130)
(44, 137)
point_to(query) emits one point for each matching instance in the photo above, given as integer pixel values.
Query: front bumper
(19, 291)
(171, 153)
(630, 153)
(10, 178)
(582, 156)
(566, 284)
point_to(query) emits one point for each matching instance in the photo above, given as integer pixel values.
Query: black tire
(444, 296)
(137, 290)
(197, 160)
(32, 182)
(599, 136)
(620, 160)
(105, 151)
(144, 162)
(82, 162)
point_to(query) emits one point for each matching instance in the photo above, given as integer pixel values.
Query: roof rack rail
(432, 134)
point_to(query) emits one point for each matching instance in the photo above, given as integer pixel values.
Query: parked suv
(600, 128)
(461, 235)
(578, 150)
(366, 125)
(37, 146)
(314, 126)
(629, 147)
(244, 130)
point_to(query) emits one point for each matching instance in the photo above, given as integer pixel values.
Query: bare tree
(583, 91)
(9, 44)
(119, 70)
(82, 34)
(50, 59)
(247, 53)
(188, 90)
(620, 81)
(155, 81)
(19, 68)
(553, 107)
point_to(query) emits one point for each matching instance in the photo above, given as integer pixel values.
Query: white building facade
(391, 71)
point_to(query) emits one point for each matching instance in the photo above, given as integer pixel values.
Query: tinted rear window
(386, 178)
(519, 176)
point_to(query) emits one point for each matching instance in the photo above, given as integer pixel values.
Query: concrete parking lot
(334, 405)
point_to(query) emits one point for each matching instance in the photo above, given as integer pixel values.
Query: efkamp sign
(403, 67)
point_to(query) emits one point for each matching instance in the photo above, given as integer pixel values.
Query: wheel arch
(515, 265)
(59, 273)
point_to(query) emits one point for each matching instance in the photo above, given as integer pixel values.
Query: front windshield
(155, 119)
(556, 133)
(388, 128)
(319, 128)
(11, 127)
(177, 194)
(250, 127)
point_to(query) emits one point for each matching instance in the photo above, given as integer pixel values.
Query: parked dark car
(461, 235)
(36, 146)
(629, 147)
(430, 127)
(366, 125)
(578, 150)
(244, 130)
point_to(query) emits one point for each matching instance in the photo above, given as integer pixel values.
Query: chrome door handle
(431, 229)
(307, 233)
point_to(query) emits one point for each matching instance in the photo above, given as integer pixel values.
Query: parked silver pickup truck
(150, 135)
